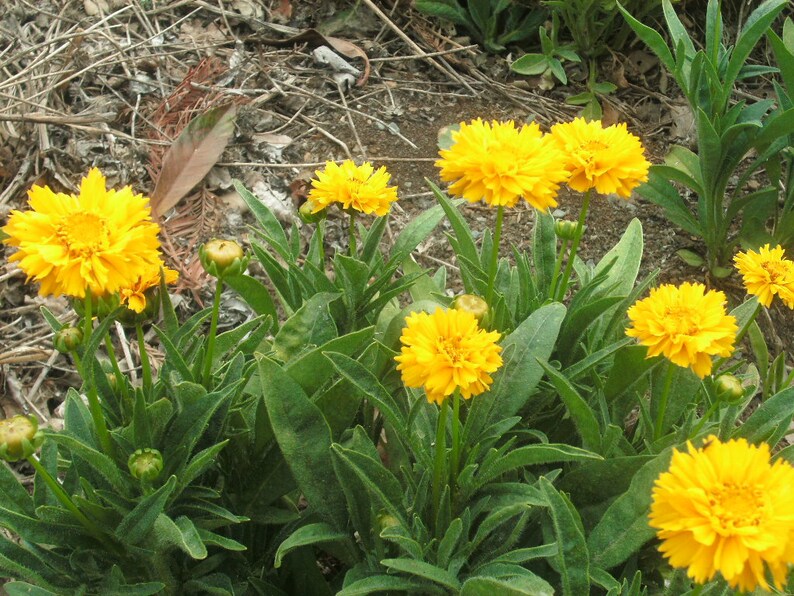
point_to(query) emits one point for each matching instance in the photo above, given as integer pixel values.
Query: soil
(118, 81)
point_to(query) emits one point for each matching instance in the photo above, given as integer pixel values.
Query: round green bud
(145, 464)
(385, 521)
(308, 215)
(67, 339)
(729, 389)
(472, 304)
(565, 230)
(222, 257)
(20, 437)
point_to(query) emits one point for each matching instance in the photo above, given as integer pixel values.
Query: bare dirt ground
(110, 84)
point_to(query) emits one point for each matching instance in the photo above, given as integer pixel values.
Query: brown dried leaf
(192, 155)
(314, 38)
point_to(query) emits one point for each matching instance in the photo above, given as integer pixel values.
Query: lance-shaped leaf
(192, 155)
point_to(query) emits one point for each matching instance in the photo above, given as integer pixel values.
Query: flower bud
(20, 437)
(308, 215)
(729, 389)
(384, 521)
(67, 339)
(565, 230)
(221, 258)
(145, 464)
(472, 304)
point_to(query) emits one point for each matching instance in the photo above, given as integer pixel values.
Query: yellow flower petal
(499, 163)
(686, 324)
(767, 273)
(99, 240)
(445, 351)
(609, 160)
(354, 187)
(725, 508)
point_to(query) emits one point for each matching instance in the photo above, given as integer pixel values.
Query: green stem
(557, 267)
(438, 467)
(574, 247)
(98, 418)
(65, 499)
(88, 318)
(712, 408)
(497, 238)
(351, 235)
(216, 304)
(121, 380)
(668, 382)
(455, 437)
(739, 337)
(146, 367)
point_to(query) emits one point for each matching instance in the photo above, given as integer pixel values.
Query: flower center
(450, 347)
(777, 271)
(83, 233)
(680, 320)
(735, 506)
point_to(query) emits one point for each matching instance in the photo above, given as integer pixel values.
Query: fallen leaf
(315, 39)
(192, 155)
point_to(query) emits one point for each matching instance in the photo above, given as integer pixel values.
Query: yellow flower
(687, 324)
(610, 159)
(445, 351)
(766, 273)
(498, 163)
(100, 240)
(134, 296)
(725, 508)
(355, 187)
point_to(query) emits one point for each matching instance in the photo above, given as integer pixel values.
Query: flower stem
(95, 408)
(146, 367)
(497, 237)
(65, 499)
(557, 267)
(88, 318)
(455, 440)
(351, 235)
(563, 287)
(216, 304)
(712, 408)
(441, 450)
(121, 380)
(668, 382)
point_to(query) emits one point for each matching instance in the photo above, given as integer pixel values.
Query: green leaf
(271, 228)
(660, 192)
(318, 533)
(531, 341)
(573, 557)
(530, 64)
(13, 494)
(101, 466)
(381, 485)
(181, 533)
(531, 455)
(582, 415)
(690, 257)
(305, 440)
(651, 38)
(136, 525)
(425, 571)
(312, 325)
(382, 583)
(449, 11)
(624, 528)
(255, 294)
(763, 422)
(544, 250)
(516, 586)
(16, 588)
(415, 232)
(463, 237)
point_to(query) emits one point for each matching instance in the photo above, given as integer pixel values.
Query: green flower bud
(472, 304)
(565, 230)
(384, 521)
(67, 339)
(145, 464)
(20, 437)
(729, 389)
(307, 214)
(221, 258)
